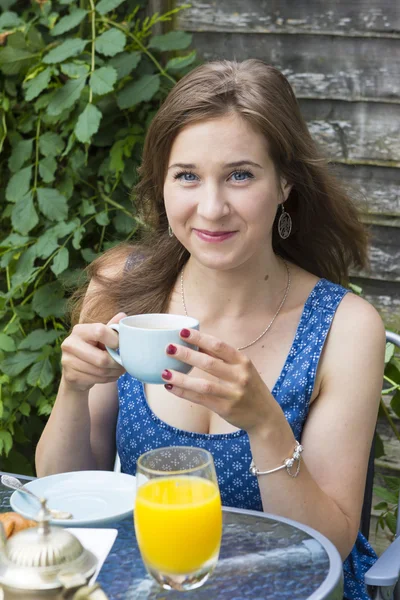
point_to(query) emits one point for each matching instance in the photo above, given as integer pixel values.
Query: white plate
(95, 498)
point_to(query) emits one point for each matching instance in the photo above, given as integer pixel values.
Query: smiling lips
(214, 236)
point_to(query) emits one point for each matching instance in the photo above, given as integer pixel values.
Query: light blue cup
(143, 340)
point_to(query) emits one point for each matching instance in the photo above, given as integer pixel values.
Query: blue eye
(241, 175)
(186, 176)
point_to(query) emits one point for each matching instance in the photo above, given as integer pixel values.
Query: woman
(252, 236)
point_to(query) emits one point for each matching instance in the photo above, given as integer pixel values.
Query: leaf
(125, 62)
(391, 522)
(105, 6)
(69, 21)
(87, 208)
(88, 254)
(173, 40)
(111, 42)
(88, 123)
(66, 96)
(19, 183)
(381, 506)
(102, 218)
(123, 223)
(25, 409)
(180, 62)
(10, 20)
(14, 240)
(48, 300)
(102, 80)
(44, 407)
(39, 338)
(51, 144)
(25, 312)
(7, 343)
(389, 352)
(395, 403)
(6, 442)
(78, 235)
(25, 269)
(73, 70)
(117, 156)
(383, 493)
(61, 261)
(41, 374)
(35, 86)
(14, 60)
(392, 370)
(52, 204)
(24, 216)
(46, 244)
(69, 48)
(20, 154)
(47, 168)
(392, 483)
(138, 91)
(14, 364)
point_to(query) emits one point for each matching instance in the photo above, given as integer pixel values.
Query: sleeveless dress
(140, 430)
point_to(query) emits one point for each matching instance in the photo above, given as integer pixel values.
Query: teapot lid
(42, 557)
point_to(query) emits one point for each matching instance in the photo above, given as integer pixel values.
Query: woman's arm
(80, 433)
(328, 493)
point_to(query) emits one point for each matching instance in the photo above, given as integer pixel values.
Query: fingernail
(168, 386)
(185, 333)
(171, 349)
(166, 374)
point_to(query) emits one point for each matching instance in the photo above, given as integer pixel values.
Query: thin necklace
(285, 295)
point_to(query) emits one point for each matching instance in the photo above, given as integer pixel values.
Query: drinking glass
(178, 515)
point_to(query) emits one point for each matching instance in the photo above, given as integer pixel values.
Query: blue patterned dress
(140, 430)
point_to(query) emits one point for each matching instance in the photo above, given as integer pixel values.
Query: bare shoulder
(357, 317)
(356, 339)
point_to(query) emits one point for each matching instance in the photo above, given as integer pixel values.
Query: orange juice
(178, 523)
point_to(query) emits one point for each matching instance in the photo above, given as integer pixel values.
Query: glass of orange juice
(178, 515)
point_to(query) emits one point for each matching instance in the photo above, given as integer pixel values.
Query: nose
(213, 204)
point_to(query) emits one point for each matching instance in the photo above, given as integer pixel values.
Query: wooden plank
(385, 296)
(376, 189)
(355, 132)
(361, 68)
(338, 17)
(384, 253)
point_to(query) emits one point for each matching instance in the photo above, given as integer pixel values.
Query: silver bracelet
(287, 464)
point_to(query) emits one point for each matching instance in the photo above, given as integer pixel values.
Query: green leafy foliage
(79, 82)
(389, 410)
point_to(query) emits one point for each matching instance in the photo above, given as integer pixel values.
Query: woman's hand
(85, 361)
(236, 391)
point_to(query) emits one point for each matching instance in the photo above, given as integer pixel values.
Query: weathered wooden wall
(343, 60)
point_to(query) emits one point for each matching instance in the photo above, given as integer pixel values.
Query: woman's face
(221, 192)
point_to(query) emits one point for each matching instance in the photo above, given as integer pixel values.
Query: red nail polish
(171, 349)
(168, 386)
(185, 333)
(166, 374)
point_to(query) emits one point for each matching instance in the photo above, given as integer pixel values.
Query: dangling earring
(284, 224)
(170, 232)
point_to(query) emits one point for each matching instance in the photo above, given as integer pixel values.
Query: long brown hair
(327, 236)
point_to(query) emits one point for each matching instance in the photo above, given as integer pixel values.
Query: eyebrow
(239, 163)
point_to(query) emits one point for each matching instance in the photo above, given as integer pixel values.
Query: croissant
(13, 522)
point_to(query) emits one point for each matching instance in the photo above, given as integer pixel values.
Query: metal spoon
(15, 484)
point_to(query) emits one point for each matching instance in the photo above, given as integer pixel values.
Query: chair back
(393, 338)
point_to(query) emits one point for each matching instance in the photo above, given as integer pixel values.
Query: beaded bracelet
(287, 464)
